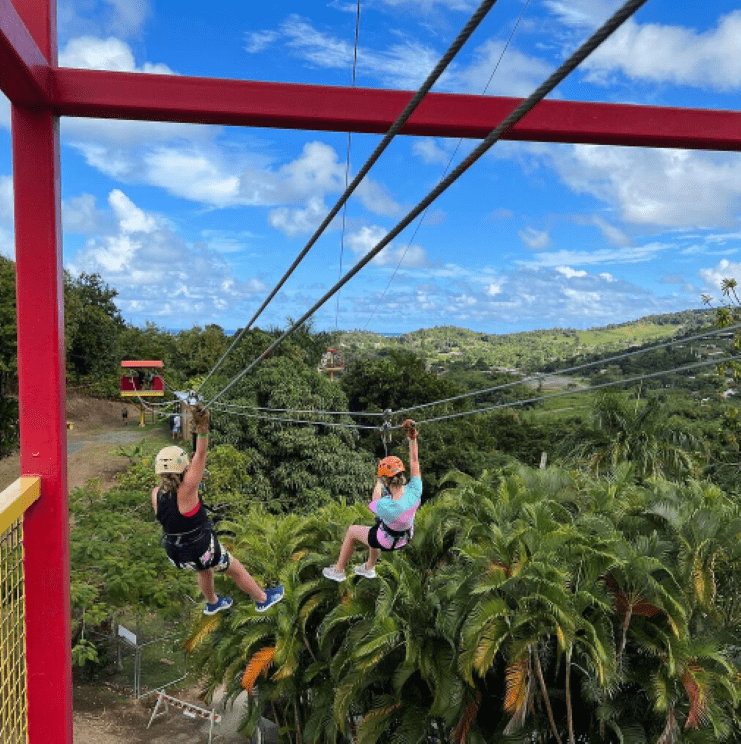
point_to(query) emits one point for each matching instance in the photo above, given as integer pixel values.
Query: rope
(445, 171)
(569, 370)
(396, 127)
(513, 404)
(347, 162)
(527, 105)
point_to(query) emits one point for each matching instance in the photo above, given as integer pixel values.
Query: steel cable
(540, 398)
(610, 26)
(396, 127)
(568, 370)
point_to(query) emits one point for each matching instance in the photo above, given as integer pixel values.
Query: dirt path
(97, 432)
(103, 715)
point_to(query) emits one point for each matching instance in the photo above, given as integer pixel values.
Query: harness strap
(396, 534)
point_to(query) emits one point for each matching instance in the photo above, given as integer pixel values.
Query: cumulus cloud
(661, 188)
(517, 74)
(91, 53)
(663, 53)
(160, 275)
(535, 240)
(570, 273)
(81, 216)
(364, 240)
(713, 276)
(124, 18)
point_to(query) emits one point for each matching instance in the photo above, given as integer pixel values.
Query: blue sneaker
(272, 596)
(221, 603)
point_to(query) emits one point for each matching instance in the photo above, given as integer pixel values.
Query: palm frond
(258, 664)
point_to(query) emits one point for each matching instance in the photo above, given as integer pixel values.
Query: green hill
(450, 347)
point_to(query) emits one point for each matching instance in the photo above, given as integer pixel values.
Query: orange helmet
(390, 466)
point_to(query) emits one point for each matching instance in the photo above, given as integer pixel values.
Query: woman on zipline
(189, 537)
(394, 503)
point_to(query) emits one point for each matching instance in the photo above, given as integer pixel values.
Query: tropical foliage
(532, 606)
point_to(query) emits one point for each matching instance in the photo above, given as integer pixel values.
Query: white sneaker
(331, 572)
(361, 570)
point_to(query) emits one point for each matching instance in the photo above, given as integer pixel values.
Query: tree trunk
(546, 699)
(569, 707)
(624, 637)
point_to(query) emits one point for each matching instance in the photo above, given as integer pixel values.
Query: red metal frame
(40, 92)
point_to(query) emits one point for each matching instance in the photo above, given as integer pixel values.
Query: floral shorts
(200, 553)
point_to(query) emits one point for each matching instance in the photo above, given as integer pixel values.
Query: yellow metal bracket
(16, 498)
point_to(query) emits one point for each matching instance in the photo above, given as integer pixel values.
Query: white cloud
(365, 239)
(258, 41)
(432, 151)
(713, 277)
(375, 197)
(516, 75)
(611, 234)
(127, 16)
(535, 240)
(426, 6)
(673, 54)
(570, 273)
(581, 13)
(81, 216)
(502, 213)
(293, 222)
(91, 53)
(97, 17)
(6, 200)
(664, 188)
(404, 64)
(634, 254)
(158, 274)
(4, 111)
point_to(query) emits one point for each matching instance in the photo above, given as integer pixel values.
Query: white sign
(127, 635)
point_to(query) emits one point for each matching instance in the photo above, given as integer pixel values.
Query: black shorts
(373, 540)
(197, 553)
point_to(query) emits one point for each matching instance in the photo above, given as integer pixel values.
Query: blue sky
(194, 224)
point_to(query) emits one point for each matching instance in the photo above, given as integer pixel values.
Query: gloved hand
(410, 427)
(201, 418)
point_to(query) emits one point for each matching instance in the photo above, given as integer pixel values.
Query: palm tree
(639, 433)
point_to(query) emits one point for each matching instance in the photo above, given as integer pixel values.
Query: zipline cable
(612, 383)
(445, 171)
(282, 419)
(611, 25)
(303, 410)
(396, 127)
(347, 161)
(569, 370)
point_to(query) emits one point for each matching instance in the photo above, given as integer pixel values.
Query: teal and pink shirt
(398, 515)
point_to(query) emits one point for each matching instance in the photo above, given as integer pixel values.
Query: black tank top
(172, 521)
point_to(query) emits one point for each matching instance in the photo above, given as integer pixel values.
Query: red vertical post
(40, 297)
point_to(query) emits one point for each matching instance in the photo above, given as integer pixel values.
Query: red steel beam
(41, 382)
(118, 95)
(25, 74)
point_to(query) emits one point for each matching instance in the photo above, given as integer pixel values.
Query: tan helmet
(171, 460)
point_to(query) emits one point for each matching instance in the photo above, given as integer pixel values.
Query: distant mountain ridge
(452, 347)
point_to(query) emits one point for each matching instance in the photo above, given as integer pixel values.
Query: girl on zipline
(189, 537)
(394, 503)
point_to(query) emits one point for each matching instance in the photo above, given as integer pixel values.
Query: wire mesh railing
(14, 500)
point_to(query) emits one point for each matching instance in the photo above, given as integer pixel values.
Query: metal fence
(14, 501)
(13, 702)
(138, 665)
